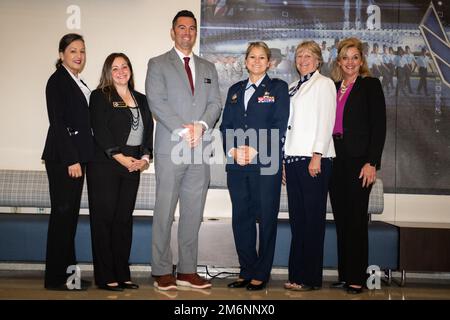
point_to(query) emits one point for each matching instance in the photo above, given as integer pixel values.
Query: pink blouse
(340, 104)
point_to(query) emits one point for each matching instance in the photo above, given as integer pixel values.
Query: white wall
(29, 34)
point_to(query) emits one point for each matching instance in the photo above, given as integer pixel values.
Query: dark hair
(64, 43)
(106, 81)
(183, 13)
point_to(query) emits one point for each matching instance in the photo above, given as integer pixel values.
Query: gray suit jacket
(171, 101)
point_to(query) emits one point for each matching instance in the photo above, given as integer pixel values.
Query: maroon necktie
(189, 73)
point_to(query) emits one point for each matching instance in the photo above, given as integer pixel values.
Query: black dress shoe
(64, 287)
(131, 285)
(238, 284)
(110, 288)
(256, 287)
(353, 290)
(339, 285)
(305, 287)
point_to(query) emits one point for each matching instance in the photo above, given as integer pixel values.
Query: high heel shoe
(354, 290)
(289, 285)
(339, 285)
(238, 283)
(305, 287)
(128, 285)
(256, 287)
(110, 287)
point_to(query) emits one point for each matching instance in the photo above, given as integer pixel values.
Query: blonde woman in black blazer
(68, 147)
(359, 135)
(123, 131)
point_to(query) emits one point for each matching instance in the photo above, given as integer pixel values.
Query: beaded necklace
(134, 119)
(343, 88)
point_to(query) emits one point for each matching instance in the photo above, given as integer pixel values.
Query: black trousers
(401, 80)
(350, 202)
(112, 196)
(408, 72)
(307, 200)
(65, 197)
(423, 73)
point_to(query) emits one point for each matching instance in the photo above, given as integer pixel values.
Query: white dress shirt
(249, 90)
(192, 66)
(191, 62)
(83, 87)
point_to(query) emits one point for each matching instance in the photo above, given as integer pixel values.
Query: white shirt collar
(75, 77)
(86, 91)
(182, 55)
(257, 83)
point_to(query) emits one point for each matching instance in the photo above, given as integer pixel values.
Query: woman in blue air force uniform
(254, 120)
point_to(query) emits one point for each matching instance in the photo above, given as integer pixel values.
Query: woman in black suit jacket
(68, 147)
(123, 131)
(359, 134)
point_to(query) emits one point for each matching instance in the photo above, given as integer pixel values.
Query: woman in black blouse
(123, 131)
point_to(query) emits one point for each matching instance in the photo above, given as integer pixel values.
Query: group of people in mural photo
(310, 113)
(399, 52)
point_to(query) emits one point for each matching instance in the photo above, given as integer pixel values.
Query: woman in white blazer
(308, 153)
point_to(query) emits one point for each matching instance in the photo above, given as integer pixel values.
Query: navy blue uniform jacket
(267, 109)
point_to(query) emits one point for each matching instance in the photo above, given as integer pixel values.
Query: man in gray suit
(183, 94)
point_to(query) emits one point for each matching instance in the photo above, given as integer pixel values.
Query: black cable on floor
(219, 275)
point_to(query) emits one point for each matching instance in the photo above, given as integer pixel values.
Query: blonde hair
(342, 47)
(314, 48)
(258, 44)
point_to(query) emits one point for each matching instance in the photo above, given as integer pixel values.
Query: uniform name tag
(119, 104)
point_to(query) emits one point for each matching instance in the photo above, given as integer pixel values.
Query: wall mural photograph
(406, 45)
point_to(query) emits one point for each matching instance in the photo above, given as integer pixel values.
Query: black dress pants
(65, 197)
(112, 196)
(350, 202)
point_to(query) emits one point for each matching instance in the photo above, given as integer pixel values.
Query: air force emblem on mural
(437, 42)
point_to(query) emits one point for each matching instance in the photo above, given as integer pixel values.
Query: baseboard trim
(212, 270)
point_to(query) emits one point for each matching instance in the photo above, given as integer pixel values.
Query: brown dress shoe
(192, 280)
(165, 282)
